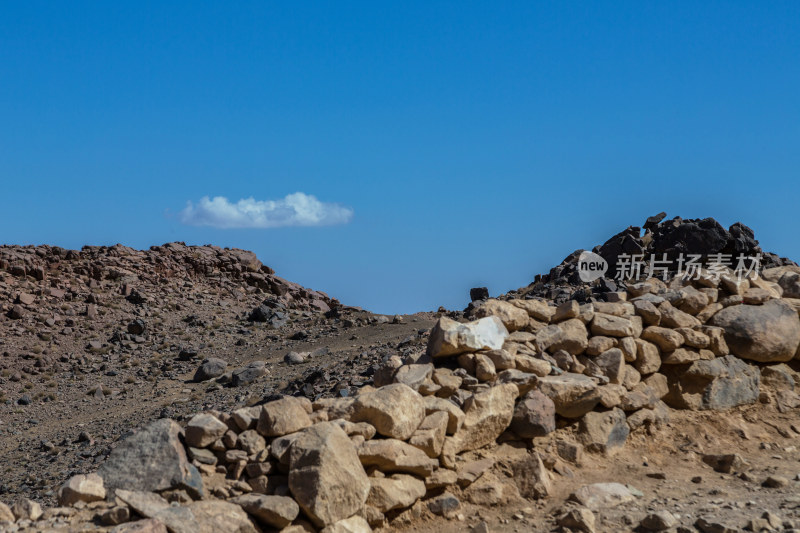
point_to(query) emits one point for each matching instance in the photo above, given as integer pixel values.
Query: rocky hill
(663, 405)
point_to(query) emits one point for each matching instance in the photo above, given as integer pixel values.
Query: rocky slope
(662, 406)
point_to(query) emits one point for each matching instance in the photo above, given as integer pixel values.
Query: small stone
(210, 368)
(580, 519)
(775, 482)
(25, 509)
(725, 463)
(445, 505)
(272, 511)
(659, 521)
(82, 488)
(602, 495)
(295, 358)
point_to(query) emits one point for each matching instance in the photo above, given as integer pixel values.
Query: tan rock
(429, 436)
(532, 365)
(502, 359)
(532, 478)
(709, 311)
(627, 346)
(672, 317)
(648, 358)
(246, 417)
(395, 410)
(25, 509)
(622, 309)
(611, 395)
(694, 338)
(148, 525)
(7, 516)
(570, 335)
(455, 416)
(565, 311)
(599, 344)
(648, 311)
(82, 488)
(717, 344)
(612, 364)
(693, 301)
(612, 326)
(604, 432)
(680, 356)
(207, 516)
(281, 417)
(665, 338)
(396, 456)
(764, 333)
(397, 492)
(448, 381)
(203, 429)
(658, 383)
(488, 414)
(325, 474)
(536, 309)
(354, 524)
(756, 296)
(484, 368)
(440, 479)
(449, 337)
(513, 317)
(251, 442)
(573, 394)
(272, 511)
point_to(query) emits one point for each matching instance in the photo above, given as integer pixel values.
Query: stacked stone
(619, 364)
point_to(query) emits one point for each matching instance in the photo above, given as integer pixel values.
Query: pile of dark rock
(656, 238)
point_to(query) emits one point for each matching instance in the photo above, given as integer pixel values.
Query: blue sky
(449, 144)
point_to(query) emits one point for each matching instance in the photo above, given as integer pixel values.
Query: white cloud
(298, 209)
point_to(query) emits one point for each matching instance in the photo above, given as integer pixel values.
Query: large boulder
(396, 456)
(449, 337)
(395, 410)
(396, 492)
(534, 416)
(513, 317)
(82, 488)
(210, 368)
(208, 516)
(272, 511)
(325, 475)
(570, 335)
(765, 333)
(203, 429)
(602, 495)
(152, 459)
(574, 395)
(790, 283)
(281, 417)
(720, 383)
(604, 432)
(488, 414)
(532, 478)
